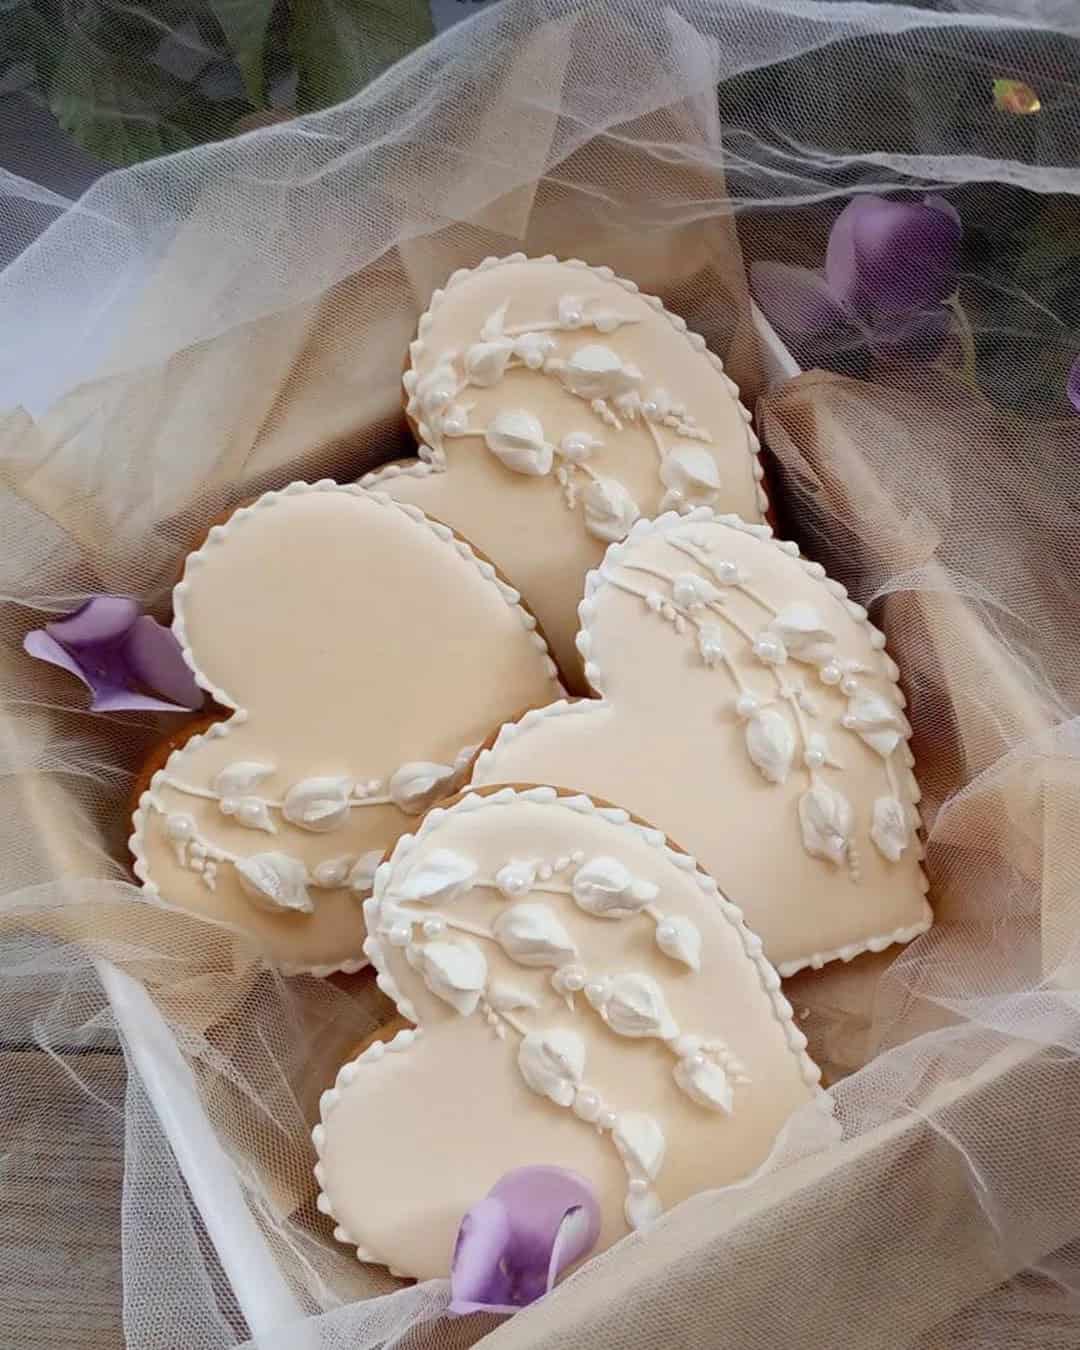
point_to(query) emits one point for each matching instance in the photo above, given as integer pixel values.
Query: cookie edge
(421, 468)
(596, 580)
(475, 799)
(215, 536)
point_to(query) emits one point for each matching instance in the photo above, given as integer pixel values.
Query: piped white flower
(534, 349)
(632, 1004)
(486, 362)
(454, 971)
(679, 937)
(515, 879)
(236, 779)
(595, 371)
(770, 743)
(362, 876)
(605, 888)
(532, 935)
(552, 1063)
(318, 804)
(825, 818)
(610, 510)
(436, 390)
(876, 721)
(704, 1082)
(804, 633)
(440, 877)
(712, 643)
(889, 830)
(692, 591)
(516, 439)
(578, 446)
(414, 787)
(275, 881)
(691, 477)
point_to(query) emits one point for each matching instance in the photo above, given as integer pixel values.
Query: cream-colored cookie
(748, 708)
(554, 405)
(364, 650)
(584, 997)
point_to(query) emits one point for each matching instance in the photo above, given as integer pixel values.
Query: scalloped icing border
(215, 537)
(583, 804)
(420, 468)
(596, 580)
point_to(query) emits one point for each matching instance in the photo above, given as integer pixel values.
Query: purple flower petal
(478, 1275)
(116, 654)
(887, 256)
(156, 661)
(1072, 385)
(513, 1244)
(795, 300)
(104, 618)
(918, 336)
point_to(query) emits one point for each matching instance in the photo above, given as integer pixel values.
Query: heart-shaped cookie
(748, 707)
(583, 997)
(364, 650)
(554, 404)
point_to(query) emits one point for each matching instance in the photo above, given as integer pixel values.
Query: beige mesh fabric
(205, 327)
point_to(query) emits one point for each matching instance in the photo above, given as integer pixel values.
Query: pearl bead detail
(814, 759)
(572, 979)
(400, 934)
(831, 673)
(746, 705)
(434, 928)
(228, 806)
(849, 685)
(587, 1105)
(179, 826)
(665, 931)
(607, 1120)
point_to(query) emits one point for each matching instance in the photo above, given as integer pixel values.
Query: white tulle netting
(199, 328)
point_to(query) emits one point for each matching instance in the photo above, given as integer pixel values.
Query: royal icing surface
(364, 650)
(749, 709)
(555, 405)
(584, 997)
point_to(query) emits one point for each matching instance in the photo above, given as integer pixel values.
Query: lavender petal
(156, 662)
(479, 1278)
(103, 618)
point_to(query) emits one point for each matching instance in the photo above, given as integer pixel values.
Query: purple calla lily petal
(886, 257)
(1072, 385)
(104, 618)
(796, 301)
(513, 1244)
(157, 662)
(116, 653)
(918, 336)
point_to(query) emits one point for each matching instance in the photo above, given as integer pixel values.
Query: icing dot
(572, 978)
(179, 826)
(228, 806)
(607, 1120)
(544, 872)
(831, 673)
(847, 721)
(649, 408)
(849, 684)
(665, 931)
(597, 991)
(684, 1046)
(726, 571)
(770, 649)
(814, 759)
(587, 1104)
(695, 1061)
(198, 851)
(399, 934)
(746, 705)
(249, 811)
(434, 928)
(572, 318)
(454, 426)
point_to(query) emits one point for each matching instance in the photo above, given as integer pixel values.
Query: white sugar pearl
(249, 811)
(649, 408)
(198, 850)
(831, 673)
(695, 1062)
(665, 931)
(544, 872)
(434, 928)
(572, 978)
(439, 398)
(726, 572)
(573, 317)
(746, 705)
(453, 426)
(849, 685)
(228, 806)
(179, 826)
(597, 991)
(607, 1120)
(770, 649)
(814, 759)
(587, 1105)
(400, 935)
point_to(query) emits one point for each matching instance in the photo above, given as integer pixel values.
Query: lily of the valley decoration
(448, 953)
(275, 880)
(614, 393)
(794, 729)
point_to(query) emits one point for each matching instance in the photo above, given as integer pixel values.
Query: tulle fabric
(198, 329)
